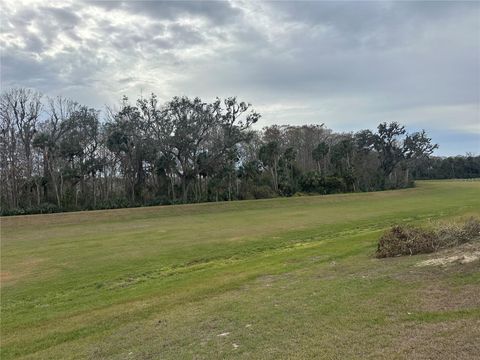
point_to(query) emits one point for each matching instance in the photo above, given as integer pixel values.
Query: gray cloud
(347, 64)
(218, 12)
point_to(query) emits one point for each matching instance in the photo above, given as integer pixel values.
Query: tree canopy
(56, 154)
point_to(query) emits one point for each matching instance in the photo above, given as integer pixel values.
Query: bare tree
(20, 112)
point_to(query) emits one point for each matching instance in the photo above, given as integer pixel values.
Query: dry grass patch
(439, 298)
(25, 269)
(440, 340)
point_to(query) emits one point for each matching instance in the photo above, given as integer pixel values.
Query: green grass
(286, 278)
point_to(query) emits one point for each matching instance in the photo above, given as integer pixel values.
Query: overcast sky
(349, 65)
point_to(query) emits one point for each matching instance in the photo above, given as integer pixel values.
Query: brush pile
(408, 240)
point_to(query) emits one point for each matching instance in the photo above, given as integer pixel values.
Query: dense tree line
(56, 154)
(454, 167)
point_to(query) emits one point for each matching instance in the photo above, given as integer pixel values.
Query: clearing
(289, 278)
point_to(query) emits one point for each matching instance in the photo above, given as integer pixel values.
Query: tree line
(58, 155)
(452, 167)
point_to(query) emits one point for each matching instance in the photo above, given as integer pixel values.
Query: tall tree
(48, 140)
(20, 112)
(269, 155)
(127, 138)
(417, 147)
(389, 146)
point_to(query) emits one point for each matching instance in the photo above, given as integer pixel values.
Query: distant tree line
(58, 155)
(454, 167)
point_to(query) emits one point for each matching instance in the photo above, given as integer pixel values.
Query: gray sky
(349, 65)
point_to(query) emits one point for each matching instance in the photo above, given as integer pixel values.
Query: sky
(349, 65)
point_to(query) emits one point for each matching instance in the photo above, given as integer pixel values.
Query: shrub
(286, 189)
(263, 192)
(333, 185)
(408, 240)
(44, 208)
(311, 182)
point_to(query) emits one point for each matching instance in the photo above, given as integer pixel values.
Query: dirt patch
(462, 259)
(463, 254)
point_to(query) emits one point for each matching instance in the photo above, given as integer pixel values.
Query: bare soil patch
(463, 254)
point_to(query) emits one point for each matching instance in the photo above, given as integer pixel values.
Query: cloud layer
(348, 65)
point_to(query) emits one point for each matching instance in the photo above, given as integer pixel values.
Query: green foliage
(320, 151)
(44, 208)
(454, 167)
(313, 182)
(263, 192)
(187, 150)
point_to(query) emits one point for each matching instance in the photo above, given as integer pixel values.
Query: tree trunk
(38, 192)
(229, 187)
(94, 190)
(172, 181)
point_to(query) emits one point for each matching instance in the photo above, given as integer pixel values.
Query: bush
(263, 192)
(408, 240)
(286, 189)
(44, 208)
(333, 185)
(158, 201)
(313, 182)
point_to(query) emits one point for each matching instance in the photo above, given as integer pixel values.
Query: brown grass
(438, 340)
(26, 268)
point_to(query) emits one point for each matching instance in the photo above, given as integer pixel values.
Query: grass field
(267, 279)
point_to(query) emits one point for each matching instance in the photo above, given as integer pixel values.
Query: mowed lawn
(290, 278)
